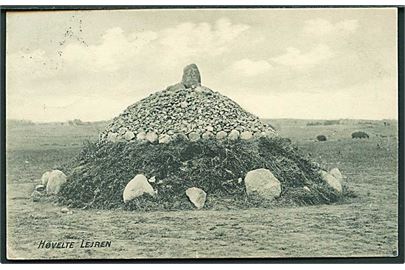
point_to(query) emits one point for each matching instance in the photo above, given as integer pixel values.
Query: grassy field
(361, 226)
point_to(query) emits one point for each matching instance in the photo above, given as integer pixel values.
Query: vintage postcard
(202, 133)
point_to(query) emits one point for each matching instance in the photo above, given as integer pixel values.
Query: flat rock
(56, 179)
(262, 183)
(333, 182)
(138, 186)
(197, 196)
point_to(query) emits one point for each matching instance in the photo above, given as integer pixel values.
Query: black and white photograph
(202, 133)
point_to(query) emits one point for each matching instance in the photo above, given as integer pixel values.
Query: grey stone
(221, 135)
(207, 135)
(191, 76)
(141, 136)
(164, 138)
(233, 135)
(262, 183)
(151, 137)
(129, 135)
(112, 137)
(193, 136)
(246, 135)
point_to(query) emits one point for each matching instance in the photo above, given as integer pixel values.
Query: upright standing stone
(191, 76)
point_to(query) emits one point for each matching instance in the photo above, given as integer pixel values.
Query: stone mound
(186, 109)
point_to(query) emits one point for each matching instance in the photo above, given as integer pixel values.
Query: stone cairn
(188, 110)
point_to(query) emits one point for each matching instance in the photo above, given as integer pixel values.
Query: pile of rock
(188, 110)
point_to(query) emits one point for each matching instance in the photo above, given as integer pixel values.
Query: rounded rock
(129, 135)
(56, 179)
(164, 138)
(262, 183)
(221, 135)
(151, 137)
(233, 135)
(193, 136)
(246, 135)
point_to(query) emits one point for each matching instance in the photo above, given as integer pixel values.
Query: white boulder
(138, 186)
(335, 172)
(246, 135)
(151, 137)
(263, 183)
(45, 178)
(221, 135)
(164, 138)
(233, 135)
(56, 179)
(332, 181)
(197, 196)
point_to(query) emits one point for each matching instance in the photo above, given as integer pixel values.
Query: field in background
(362, 226)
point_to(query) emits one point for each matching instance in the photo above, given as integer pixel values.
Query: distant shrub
(331, 122)
(321, 138)
(76, 122)
(360, 135)
(314, 123)
(324, 123)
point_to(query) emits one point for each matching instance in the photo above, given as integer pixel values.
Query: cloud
(249, 68)
(111, 54)
(320, 27)
(293, 57)
(188, 39)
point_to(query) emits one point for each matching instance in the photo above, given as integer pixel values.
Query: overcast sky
(276, 63)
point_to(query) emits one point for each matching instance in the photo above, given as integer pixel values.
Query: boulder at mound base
(56, 180)
(335, 172)
(333, 182)
(197, 196)
(137, 187)
(44, 178)
(263, 183)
